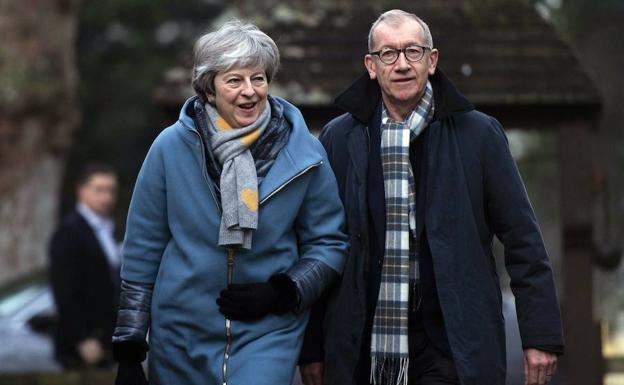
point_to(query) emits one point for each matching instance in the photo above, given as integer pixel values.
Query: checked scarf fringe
(389, 340)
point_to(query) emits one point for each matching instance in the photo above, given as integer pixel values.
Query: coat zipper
(281, 187)
(228, 323)
(230, 271)
(230, 252)
(230, 264)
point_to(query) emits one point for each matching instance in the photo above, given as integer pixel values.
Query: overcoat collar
(363, 100)
(364, 95)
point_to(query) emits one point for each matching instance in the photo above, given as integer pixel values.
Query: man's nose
(402, 63)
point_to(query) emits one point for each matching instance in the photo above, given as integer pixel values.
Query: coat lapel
(298, 156)
(356, 145)
(376, 189)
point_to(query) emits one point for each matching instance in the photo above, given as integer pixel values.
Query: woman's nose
(248, 89)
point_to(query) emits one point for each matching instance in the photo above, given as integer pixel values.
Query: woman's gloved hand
(251, 301)
(129, 355)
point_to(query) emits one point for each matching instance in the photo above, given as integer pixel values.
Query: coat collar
(363, 96)
(301, 153)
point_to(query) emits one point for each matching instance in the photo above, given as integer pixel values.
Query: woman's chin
(244, 121)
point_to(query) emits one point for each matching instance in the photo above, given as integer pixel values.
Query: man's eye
(413, 51)
(388, 53)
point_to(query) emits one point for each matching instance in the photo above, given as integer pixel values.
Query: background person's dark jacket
(83, 287)
(469, 191)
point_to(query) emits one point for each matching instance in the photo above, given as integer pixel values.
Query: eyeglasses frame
(401, 50)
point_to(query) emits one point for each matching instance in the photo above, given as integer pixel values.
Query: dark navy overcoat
(473, 192)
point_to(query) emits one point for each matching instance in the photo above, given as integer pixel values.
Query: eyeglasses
(413, 53)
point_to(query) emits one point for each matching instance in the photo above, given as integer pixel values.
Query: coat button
(358, 236)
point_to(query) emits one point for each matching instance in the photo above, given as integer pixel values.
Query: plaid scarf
(389, 340)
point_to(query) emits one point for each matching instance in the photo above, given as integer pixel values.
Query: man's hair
(396, 17)
(91, 169)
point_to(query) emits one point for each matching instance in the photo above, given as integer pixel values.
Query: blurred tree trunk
(594, 29)
(37, 116)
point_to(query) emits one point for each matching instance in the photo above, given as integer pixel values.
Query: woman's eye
(233, 81)
(258, 79)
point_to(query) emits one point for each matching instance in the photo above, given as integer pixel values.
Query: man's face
(403, 82)
(99, 193)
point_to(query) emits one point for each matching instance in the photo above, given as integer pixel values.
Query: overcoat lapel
(376, 189)
(357, 145)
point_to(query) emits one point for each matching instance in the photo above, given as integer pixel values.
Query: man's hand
(312, 373)
(539, 366)
(90, 351)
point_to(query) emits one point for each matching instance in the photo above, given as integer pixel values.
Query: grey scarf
(239, 181)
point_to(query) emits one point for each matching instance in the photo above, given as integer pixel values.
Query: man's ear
(369, 63)
(433, 61)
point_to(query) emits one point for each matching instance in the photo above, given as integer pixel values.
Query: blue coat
(171, 242)
(469, 191)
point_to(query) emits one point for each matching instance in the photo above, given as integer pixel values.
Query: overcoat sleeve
(65, 255)
(147, 235)
(312, 349)
(147, 230)
(512, 219)
(320, 222)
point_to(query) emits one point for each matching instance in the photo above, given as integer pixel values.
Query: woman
(234, 229)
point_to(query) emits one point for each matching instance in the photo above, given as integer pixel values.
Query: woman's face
(240, 95)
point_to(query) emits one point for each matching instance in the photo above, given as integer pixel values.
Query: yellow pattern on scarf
(250, 198)
(251, 137)
(222, 124)
(247, 139)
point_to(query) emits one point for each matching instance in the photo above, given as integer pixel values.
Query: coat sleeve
(320, 221)
(147, 229)
(312, 349)
(65, 253)
(512, 219)
(147, 235)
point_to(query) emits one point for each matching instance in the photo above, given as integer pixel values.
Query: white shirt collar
(94, 220)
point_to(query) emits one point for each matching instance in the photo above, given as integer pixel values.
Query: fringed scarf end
(389, 371)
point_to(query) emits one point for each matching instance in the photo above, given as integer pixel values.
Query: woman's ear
(210, 98)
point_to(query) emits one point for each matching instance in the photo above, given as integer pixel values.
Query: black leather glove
(129, 355)
(251, 301)
(130, 373)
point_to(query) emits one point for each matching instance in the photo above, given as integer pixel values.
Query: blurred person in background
(84, 272)
(427, 181)
(234, 229)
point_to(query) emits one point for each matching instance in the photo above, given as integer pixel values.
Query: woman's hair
(235, 44)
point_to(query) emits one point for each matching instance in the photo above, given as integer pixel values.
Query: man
(84, 271)
(427, 181)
